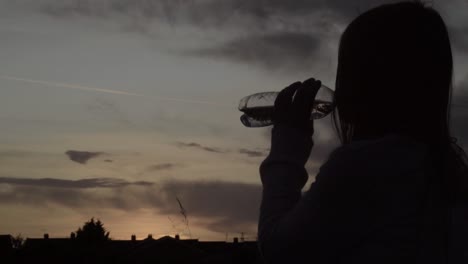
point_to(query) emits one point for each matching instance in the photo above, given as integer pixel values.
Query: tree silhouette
(17, 241)
(92, 232)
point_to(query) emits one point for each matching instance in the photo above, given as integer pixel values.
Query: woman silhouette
(395, 191)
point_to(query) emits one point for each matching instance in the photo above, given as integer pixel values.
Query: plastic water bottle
(258, 108)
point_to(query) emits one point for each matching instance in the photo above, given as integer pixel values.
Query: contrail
(69, 86)
(108, 91)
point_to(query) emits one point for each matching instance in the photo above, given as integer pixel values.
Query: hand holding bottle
(293, 105)
(259, 108)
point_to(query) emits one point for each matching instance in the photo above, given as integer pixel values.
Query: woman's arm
(283, 176)
(314, 225)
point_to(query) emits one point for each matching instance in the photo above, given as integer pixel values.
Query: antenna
(183, 212)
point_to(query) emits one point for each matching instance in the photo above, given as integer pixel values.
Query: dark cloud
(106, 8)
(15, 153)
(162, 166)
(274, 34)
(267, 33)
(198, 146)
(459, 37)
(40, 196)
(109, 111)
(82, 156)
(272, 51)
(219, 206)
(227, 204)
(460, 126)
(73, 184)
(261, 8)
(459, 114)
(253, 153)
(207, 12)
(325, 140)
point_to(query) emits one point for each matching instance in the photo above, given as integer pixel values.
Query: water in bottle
(258, 108)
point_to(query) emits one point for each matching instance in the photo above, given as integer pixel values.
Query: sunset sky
(113, 109)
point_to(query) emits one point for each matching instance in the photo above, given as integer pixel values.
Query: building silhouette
(166, 249)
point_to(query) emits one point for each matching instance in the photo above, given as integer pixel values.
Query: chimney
(150, 236)
(236, 240)
(72, 235)
(133, 237)
(46, 236)
(177, 237)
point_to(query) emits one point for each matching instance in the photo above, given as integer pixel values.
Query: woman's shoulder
(387, 154)
(376, 167)
(389, 145)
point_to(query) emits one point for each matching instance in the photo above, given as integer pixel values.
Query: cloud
(198, 146)
(162, 166)
(268, 34)
(271, 51)
(253, 153)
(72, 184)
(218, 206)
(82, 156)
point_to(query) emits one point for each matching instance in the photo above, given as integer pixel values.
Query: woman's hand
(293, 106)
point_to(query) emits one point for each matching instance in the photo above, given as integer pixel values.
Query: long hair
(394, 75)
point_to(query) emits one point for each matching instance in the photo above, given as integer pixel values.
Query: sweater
(370, 203)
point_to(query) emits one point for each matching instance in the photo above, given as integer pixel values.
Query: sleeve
(292, 226)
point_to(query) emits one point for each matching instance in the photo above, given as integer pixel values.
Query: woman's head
(394, 74)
